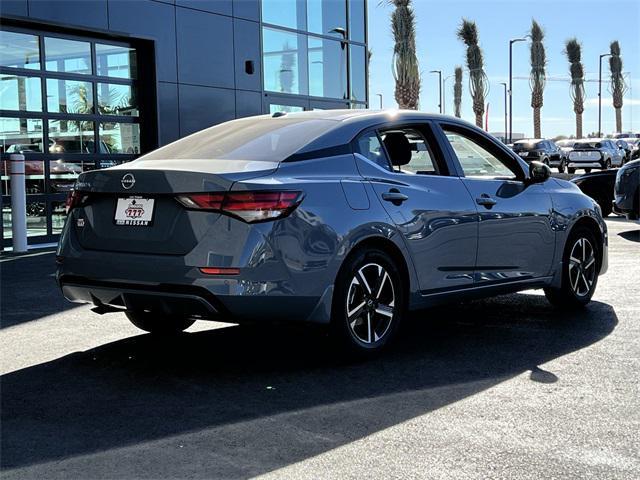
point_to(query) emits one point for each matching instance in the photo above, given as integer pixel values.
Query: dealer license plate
(134, 211)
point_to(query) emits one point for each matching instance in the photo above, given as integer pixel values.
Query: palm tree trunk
(536, 123)
(479, 119)
(578, 125)
(618, 119)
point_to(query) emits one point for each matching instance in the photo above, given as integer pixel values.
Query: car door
(430, 207)
(516, 240)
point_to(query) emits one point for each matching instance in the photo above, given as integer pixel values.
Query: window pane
(358, 61)
(284, 62)
(369, 146)
(273, 108)
(328, 17)
(117, 100)
(63, 174)
(69, 96)
(20, 93)
(327, 68)
(421, 160)
(20, 135)
(287, 13)
(19, 50)
(68, 56)
(475, 160)
(356, 20)
(115, 61)
(58, 217)
(118, 137)
(71, 136)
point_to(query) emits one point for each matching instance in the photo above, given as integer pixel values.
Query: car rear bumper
(574, 164)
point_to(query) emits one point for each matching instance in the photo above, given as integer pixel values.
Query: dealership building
(93, 83)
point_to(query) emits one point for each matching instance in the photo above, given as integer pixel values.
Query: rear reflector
(220, 271)
(74, 199)
(248, 206)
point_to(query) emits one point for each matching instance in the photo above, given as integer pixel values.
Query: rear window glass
(254, 139)
(524, 146)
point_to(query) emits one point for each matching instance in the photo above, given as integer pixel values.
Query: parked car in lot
(593, 153)
(626, 135)
(542, 150)
(566, 146)
(62, 175)
(627, 190)
(634, 146)
(345, 218)
(599, 185)
(625, 148)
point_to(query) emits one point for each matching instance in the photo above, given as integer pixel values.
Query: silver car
(343, 218)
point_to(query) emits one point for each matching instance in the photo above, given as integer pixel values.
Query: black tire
(561, 167)
(159, 324)
(587, 170)
(574, 296)
(607, 165)
(365, 331)
(546, 161)
(571, 171)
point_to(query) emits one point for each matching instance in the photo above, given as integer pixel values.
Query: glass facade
(315, 49)
(67, 105)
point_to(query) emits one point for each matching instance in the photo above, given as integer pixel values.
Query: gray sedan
(342, 218)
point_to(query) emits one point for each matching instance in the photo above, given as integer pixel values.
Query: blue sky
(594, 23)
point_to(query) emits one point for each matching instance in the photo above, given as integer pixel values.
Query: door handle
(486, 200)
(394, 196)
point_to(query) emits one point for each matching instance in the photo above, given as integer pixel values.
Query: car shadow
(256, 399)
(631, 235)
(29, 291)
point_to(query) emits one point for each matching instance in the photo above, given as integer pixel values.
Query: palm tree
(537, 78)
(618, 87)
(478, 82)
(576, 69)
(457, 91)
(405, 61)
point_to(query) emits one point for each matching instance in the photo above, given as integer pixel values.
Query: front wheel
(159, 324)
(369, 302)
(580, 268)
(607, 165)
(571, 171)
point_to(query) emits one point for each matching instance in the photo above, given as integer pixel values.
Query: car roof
(530, 140)
(347, 114)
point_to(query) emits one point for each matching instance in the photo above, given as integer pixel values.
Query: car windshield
(251, 139)
(565, 143)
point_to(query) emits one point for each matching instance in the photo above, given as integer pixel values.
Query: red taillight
(74, 199)
(220, 271)
(248, 206)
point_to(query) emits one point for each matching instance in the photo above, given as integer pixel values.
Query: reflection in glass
(63, 174)
(284, 62)
(328, 17)
(286, 13)
(327, 68)
(33, 173)
(71, 136)
(356, 20)
(116, 99)
(115, 61)
(20, 93)
(68, 56)
(357, 61)
(273, 108)
(6, 218)
(36, 219)
(118, 137)
(69, 96)
(19, 50)
(20, 135)
(58, 217)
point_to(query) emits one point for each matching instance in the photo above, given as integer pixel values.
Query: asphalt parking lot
(499, 388)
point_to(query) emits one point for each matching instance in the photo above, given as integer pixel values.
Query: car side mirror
(538, 172)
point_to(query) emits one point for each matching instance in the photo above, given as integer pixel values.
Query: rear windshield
(521, 147)
(580, 145)
(264, 139)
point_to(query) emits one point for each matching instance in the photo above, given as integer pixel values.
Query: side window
(369, 146)
(409, 152)
(475, 160)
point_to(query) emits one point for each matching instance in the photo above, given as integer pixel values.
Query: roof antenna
(278, 114)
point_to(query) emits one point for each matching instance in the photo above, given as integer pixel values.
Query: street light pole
(439, 72)
(511, 42)
(504, 84)
(444, 91)
(600, 93)
(380, 95)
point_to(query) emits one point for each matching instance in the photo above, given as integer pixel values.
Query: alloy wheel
(370, 303)
(582, 267)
